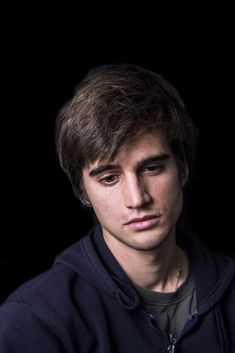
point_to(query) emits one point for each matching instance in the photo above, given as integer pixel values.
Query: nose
(135, 193)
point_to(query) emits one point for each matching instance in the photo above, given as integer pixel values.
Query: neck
(162, 269)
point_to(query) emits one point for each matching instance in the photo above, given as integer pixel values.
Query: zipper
(172, 346)
(171, 343)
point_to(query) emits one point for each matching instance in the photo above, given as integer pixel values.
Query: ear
(82, 194)
(83, 197)
(86, 202)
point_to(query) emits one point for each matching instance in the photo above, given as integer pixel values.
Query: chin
(149, 240)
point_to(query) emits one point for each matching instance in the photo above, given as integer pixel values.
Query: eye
(109, 180)
(153, 169)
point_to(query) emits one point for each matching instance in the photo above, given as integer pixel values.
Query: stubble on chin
(143, 242)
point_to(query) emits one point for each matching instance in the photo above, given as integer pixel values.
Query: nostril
(135, 193)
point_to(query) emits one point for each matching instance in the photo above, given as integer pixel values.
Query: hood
(92, 260)
(213, 272)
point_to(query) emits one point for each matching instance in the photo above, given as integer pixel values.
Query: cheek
(105, 204)
(169, 192)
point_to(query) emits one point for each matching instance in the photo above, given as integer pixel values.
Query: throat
(162, 270)
(164, 276)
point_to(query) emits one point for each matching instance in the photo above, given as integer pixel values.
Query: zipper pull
(171, 347)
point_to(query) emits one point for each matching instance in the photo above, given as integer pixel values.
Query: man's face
(137, 197)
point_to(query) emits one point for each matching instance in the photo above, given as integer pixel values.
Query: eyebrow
(109, 167)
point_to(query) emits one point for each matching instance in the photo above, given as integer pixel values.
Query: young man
(134, 283)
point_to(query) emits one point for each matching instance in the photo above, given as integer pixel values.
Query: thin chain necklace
(179, 269)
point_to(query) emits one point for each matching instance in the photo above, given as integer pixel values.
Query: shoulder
(54, 284)
(37, 293)
(38, 312)
(49, 283)
(42, 311)
(54, 290)
(22, 327)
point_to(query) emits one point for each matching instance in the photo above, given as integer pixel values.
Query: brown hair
(113, 105)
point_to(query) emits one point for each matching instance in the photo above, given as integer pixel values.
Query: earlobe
(82, 196)
(86, 202)
(84, 199)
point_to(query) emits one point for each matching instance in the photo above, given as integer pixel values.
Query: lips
(143, 223)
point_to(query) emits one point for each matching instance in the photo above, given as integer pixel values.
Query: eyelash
(105, 178)
(153, 169)
(156, 169)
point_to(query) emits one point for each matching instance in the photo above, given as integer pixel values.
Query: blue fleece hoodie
(85, 303)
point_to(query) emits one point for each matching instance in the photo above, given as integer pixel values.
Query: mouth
(143, 223)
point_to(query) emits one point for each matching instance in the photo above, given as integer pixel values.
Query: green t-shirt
(170, 310)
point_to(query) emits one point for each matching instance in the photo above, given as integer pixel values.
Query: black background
(45, 52)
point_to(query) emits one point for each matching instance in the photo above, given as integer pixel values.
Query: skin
(142, 181)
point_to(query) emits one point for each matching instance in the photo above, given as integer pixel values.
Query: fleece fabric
(85, 303)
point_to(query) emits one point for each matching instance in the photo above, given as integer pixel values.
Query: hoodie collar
(111, 274)
(213, 273)
(93, 260)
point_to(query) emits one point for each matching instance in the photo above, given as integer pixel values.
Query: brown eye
(153, 169)
(109, 180)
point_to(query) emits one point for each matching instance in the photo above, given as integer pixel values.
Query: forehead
(144, 146)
